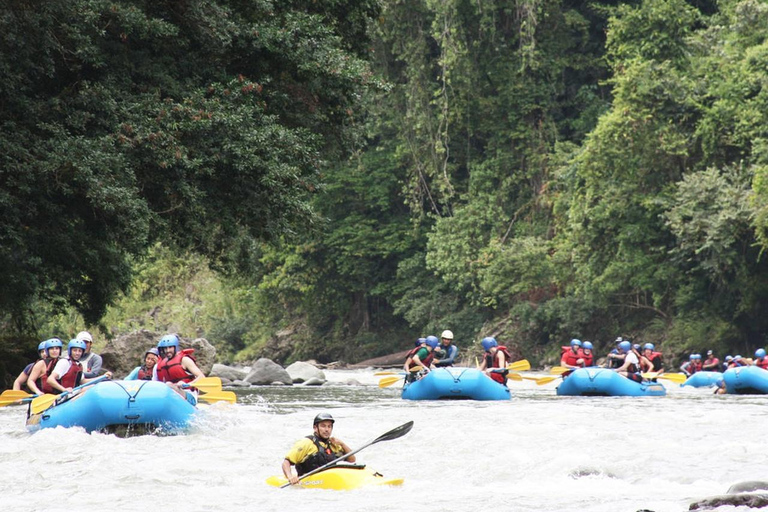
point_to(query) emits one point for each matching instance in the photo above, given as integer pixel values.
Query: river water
(536, 452)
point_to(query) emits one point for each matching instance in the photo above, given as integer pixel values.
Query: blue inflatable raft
(144, 406)
(703, 379)
(746, 380)
(453, 383)
(605, 382)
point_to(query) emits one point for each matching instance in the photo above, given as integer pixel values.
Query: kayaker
(316, 450)
(176, 366)
(24, 375)
(446, 351)
(68, 373)
(760, 359)
(419, 360)
(496, 358)
(711, 363)
(631, 367)
(91, 361)
(38, 377)
(651, 360)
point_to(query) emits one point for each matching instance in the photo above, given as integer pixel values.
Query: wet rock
(352, 382)
(265, 371)
(124, 353)
(395, 359)
(735, 500)
(753, 485)
(314, 382)
(227, 372)
(239, 384)
(303, 372)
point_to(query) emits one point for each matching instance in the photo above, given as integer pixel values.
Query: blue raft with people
(703, 379)
(593, 381)
(140, 405)
(746, 380)
(455, 383)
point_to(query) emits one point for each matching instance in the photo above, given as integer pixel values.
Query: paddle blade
(12, 401)
(208, 384)
(381, 374)
(219, 396)
(559, 370)
(677, 378)
(546, 380)
(515, 376)
(388, 381)
(395, 433)
(519, 366)
(16, 394)
(42, 402)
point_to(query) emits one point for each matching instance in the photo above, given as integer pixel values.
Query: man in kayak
(315, 451)
(446, 352)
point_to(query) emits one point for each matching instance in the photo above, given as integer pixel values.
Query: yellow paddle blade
(11, 401)
(219, 396)
(380, 374)
(514, 376)
(9, 394)
(415, 369)
(531, 378)
(677, 378)
(388, 381)
(546, 380)
(207, 384)
(519, 366)
(42, 402)
(559, 370)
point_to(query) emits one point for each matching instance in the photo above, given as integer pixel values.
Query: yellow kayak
(339, 478)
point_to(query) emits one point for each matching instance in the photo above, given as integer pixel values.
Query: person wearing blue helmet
(631, 367)
(446, 352)
(419, 360)
(760, 359)
(615, 357)
(720, 388)
(711, 363)
(24, 375)
(68, 373)
(38, 377)
(176, 367)
(496, 359)
(652, 360)
(587, 353)
(571, 356)
(421, 341)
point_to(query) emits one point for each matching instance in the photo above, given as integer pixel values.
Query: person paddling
(572, 356)
(175, 366)
(316, 450)
(446, 353)
(24, 375)
(760, 359)
(68, 373)
(495, 361)
(419, 360)
(38, 377)
(631, 367)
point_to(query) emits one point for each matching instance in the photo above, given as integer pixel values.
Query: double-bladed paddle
(47, 400)
(388, 436)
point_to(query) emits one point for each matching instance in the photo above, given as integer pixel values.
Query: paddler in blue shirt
(316, 450)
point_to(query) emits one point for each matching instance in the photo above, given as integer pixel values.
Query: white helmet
(84, 336)
(447, 335)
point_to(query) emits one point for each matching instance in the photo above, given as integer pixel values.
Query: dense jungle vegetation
(333, 179)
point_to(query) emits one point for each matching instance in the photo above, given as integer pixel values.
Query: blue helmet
(697, 356)
(728, 358)
(719, 383)
(169, 340)
(488, 343)
(51, 343)
(587, 345)
(575, 342)
(41, 346)
(421, 341)
(625, 346)
(692, 357)
(75, 344)
(649, 346)
(759, 353)
(432, 341)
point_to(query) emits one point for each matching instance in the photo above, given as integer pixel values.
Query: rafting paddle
(219, 396)
(519, 366)
(388, 381)
(677, 378)
(43, 402)
(15, 394)
(388, 436)
(11, 401)
(205, 385)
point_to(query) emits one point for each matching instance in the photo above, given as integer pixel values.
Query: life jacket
(570, 357)
(633, 368)
(170, 370)
(657, 361)
(323, 456)
(697, 366)
(762, 363)
(589, 359)
(42, 382)
(144, 374)
(492, 361)
(73, 375)
(425, 362)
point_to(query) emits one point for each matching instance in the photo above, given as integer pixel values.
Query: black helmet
(323, 416)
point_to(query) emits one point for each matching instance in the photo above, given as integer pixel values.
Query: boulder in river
(739, 495)
(265, 372)
(229, 373)
(305, 372)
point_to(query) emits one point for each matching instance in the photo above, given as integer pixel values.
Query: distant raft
(340, 478)
(454, 383)
(605, 382)
(746, 380)
(108, 405)
(703, 379)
